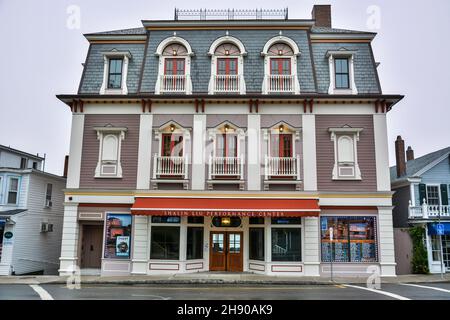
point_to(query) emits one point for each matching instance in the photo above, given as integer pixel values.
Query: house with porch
(421, 198)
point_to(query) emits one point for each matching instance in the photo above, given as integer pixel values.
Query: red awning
(158, 206)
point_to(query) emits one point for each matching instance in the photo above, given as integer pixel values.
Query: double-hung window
(115, 73)
(13, 190)
(23, 163)
(433, 195)
(342, 73)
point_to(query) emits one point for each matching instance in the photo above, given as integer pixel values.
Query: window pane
(286, 220)
(354, 239)
(231, 145)
(274, 145)
(195, 220)
(217, 242)
(118, 236)
(256, 220)
(433, 195)
(256, 243)
(234, 242)
(165, 243)
(12, 197)
(220, 145)
(48, 194)
(286, 244)
(180, 66)
(13, 184)
(194, 243)
(166, 219)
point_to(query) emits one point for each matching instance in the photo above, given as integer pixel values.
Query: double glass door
(226, 251)
(446, 251)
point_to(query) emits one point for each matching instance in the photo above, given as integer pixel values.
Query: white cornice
(342, 36)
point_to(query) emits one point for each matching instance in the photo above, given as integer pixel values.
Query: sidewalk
(219, 278)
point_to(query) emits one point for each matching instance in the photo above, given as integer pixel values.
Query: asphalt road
(420, 291)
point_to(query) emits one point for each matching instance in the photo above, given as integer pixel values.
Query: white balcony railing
(282, 167)
(426, 211)
(227, 83)
(173, 83)
(280, 83)
(226, 167)
(170, 167)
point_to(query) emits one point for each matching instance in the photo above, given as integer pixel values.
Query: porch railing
(226, 167)
(170, 167)
(227, 83)
(282, 167)
(426, 211)
(173, 83)
(280, 83)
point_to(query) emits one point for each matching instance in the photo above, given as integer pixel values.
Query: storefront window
(286, 244)
(256, 241)
(118, 236)
(165, 243)
(165, 219)
(194, 248)
(354, 239)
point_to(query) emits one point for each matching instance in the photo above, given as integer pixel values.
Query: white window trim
(1, 190)
(101, 132)
(342, 54)
(240, 58)
(240, 133)
(161, 130)
(267, 58)
(439, 191)
(274, 129)
(17, 191)
(353, 133)
(162, 59)
(125, 55)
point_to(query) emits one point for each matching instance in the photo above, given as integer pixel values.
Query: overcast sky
(41, 57)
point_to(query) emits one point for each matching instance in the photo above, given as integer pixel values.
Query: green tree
(420, 257)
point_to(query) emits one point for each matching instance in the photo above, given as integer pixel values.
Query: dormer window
(115, 73)
(280, 60)
(174, 66)
(115, 70)
(342, 75)
(227, 66)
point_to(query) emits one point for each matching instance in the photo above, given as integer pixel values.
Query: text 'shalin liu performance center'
(232, 144)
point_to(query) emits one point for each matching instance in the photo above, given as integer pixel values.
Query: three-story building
(229, 145)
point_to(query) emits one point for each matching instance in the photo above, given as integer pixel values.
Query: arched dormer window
(227, 66)
(280, 66)
(174, 66)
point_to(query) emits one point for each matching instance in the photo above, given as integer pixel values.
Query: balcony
(427, 211)
(171, 168)
(282, 170)
(174, 83)
(226, 170)
(281, 84)
(227, 84)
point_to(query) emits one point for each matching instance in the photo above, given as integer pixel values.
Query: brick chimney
(400, 156)
(322, 15)
(409, 154)
(66, 166)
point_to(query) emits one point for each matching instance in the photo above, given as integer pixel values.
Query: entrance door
(91, 246)
(226, 251)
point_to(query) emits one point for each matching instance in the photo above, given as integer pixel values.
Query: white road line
(389, 294)
(43, 294)
(425, 287)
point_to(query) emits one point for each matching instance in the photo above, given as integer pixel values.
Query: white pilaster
(254, 152)
(381, 152)
(6, 258)
(386, 242)
(69, 243)
(309, 152)
(183, 241)
(268, 242)
(198, 152)
(76, 145)
(140, 257)
(311, 246)
(145, 151)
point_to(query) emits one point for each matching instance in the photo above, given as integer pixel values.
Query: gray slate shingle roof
(131, 31)
(335, 30)
(413, 166)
